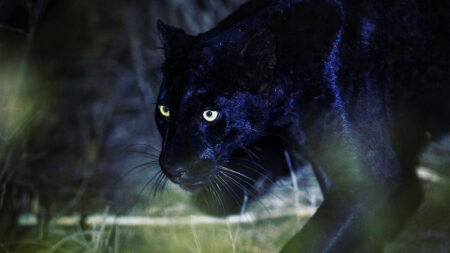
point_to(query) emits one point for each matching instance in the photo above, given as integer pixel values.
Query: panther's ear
(173, 39)
(258, 58)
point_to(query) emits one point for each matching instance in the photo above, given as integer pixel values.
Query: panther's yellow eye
(164, 110)
(210, 115)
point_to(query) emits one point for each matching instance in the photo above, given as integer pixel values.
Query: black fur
(357, 87)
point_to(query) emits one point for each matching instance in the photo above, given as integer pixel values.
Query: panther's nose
(178, 178)
(198, 173)
(174, 172)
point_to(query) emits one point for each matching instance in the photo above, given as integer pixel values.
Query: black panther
(357, 88)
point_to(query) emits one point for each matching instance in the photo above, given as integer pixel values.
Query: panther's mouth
(196, 183)
(196, 186)
(237, 170)
(193, 188)
(219, 174)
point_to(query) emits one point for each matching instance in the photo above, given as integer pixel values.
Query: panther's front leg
(355, 220)
(369, 199)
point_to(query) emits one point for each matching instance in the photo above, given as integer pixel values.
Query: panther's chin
(197, 185)
(193, 188)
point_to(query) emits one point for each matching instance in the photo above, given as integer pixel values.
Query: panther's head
(217, 100)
